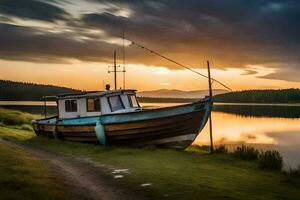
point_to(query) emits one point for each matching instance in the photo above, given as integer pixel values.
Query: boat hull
(175, 127)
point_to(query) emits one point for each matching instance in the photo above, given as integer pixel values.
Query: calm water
(263, 126)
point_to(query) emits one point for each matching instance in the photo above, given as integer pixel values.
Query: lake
(265, 126)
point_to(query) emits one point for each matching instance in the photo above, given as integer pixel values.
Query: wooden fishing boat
(115, 117)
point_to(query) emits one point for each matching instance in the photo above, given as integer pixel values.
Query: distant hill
(166, 100)
(20, 91)
(164, 93)
(260, 96)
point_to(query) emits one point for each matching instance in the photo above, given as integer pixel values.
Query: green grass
(15, 133)
(198, 149)
(221, 149)
(13, 117)
(191, 174)
(24, 176)
(246, 153)
(184, 175)
(270, 160)
(294, 172)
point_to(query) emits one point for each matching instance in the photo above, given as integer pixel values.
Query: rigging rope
(177, 63)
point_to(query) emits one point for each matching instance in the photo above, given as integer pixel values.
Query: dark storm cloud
(32, 9)
(232, 33)
(29, 44)
(285, 71)
(253, 28)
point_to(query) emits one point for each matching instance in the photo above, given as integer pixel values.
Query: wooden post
(210, 120)
(115, 68)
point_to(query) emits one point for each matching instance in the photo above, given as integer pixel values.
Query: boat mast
(124, 58)
(115, 71)
(115, 68)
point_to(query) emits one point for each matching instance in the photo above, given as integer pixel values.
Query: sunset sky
(250, 43)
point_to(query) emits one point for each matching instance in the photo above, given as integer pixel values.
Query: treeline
(259, 111)
(260, 96)
(21, 91)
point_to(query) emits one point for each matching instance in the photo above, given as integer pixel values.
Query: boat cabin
(89, 104)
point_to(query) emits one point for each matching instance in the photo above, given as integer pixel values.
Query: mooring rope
(177, 63)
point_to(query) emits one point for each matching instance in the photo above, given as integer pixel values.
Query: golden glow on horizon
(90, 76)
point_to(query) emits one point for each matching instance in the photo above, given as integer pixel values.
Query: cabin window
(71, 105)
(115, 103)
(133, 101)
(93, 105)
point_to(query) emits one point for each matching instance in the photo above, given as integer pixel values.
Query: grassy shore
(171, 174)
(24, 176)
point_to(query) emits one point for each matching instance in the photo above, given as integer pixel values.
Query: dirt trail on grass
(82, 178)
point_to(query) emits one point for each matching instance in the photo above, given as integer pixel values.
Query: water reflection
(282, 134)
(236, 128)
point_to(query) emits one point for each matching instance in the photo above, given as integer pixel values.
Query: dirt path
(84, 179)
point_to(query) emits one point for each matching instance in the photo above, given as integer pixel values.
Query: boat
(115, 117)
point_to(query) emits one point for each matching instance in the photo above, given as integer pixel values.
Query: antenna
(115, 69)
(124, 71)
